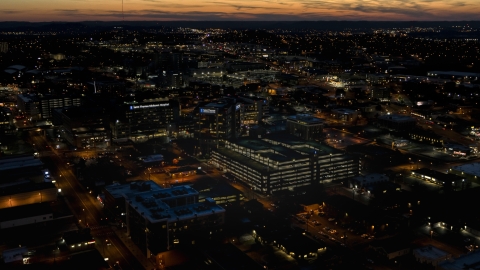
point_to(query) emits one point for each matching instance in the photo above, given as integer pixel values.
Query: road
(84, 206)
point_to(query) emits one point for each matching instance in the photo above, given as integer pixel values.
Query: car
(331, 219)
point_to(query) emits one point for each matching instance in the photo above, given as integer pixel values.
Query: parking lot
(329, 230)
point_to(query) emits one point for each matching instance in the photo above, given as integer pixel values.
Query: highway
(85, 207)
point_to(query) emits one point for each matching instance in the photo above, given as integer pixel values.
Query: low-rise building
(396, 122)
(431, 255)
(440, 178)
(470, 172)
(36, 213)
(425, 136)
(467, 261)
(392, 247)
(305, 126)
(76, 241)
(369, 179)
(344, 114)
(18, 167)
(27, 193)
(222, 194)
(293, 243)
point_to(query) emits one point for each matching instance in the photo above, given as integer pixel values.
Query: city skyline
(228, 10)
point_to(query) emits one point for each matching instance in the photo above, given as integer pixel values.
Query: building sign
(459, 153)
(134, 107)
(208, 111)
(238, 107)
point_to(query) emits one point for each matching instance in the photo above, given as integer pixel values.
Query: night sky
(258, 10)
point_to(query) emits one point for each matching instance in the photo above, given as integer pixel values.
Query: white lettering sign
(134, 107)
(207, 111)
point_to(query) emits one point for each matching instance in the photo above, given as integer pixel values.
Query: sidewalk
(122, 235)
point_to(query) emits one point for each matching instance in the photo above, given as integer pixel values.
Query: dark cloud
(11, 11)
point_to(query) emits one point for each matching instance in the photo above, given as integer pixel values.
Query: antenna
(123, 15)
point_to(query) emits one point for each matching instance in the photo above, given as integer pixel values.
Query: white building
(283, 162)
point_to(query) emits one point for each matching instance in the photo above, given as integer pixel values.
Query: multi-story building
(148, 118)
(254, 109)
(3, 47)
(6, 122)
(173, 79)
(282, 161)
(381, 94)
(305, 126)
(218, 122)
(40, 107)
(83, 127)
(159, 219)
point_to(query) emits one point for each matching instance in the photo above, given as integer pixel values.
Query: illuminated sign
(134, 107)
(207, 111)
(459, 153)
(238, 107)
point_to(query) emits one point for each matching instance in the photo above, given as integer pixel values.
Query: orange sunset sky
(266, 10)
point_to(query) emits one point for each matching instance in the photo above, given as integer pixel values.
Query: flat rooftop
(436, 174)
(11, 163)
(471, 168)
(260, 167)
(372, 177)
(152, 206)
(294, 142)
(468, 261)
(397, 118)
(25, 211)
(306, 119)
(430, 252)
(25, 187)
(117, 190)
(344, 111)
